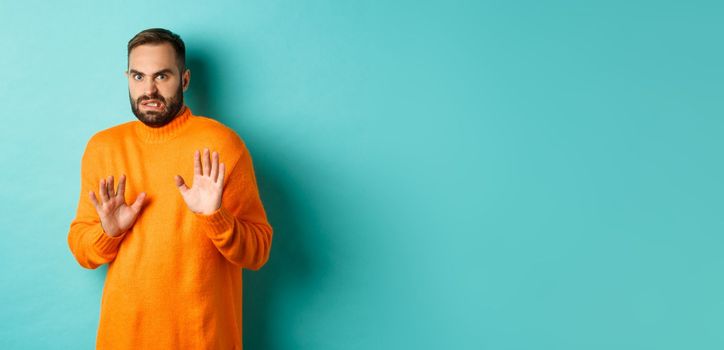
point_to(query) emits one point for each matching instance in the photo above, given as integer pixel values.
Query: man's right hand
(116, 217)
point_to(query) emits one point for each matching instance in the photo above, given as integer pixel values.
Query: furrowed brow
(163, 71)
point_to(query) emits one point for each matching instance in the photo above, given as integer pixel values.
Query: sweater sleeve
(90, 245)
(239, 228)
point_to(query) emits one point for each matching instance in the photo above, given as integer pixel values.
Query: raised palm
(116, 216)
(205, 195)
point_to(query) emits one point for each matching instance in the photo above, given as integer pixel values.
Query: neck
(166, 132)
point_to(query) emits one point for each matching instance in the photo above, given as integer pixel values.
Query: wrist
(206, 212)
(111, 233)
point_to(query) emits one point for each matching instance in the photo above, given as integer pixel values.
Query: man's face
(153, 78)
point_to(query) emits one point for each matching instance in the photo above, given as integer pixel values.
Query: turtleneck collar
(166, 132)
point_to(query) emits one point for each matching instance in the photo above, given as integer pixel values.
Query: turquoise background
(440, 175)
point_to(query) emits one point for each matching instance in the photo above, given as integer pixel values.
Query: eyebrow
(165, 70)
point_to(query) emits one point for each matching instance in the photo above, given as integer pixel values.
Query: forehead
(152, 57)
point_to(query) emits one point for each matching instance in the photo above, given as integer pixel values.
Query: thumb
(181, 184)
(136, 206)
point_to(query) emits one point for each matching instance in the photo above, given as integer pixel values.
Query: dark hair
(159, 36)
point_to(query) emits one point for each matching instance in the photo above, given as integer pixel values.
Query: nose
(150, 87)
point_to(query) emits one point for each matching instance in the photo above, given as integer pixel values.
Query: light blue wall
(440, 175)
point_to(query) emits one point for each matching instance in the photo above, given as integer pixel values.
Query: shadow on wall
(293, 265)
(292, 268)
(201, 96)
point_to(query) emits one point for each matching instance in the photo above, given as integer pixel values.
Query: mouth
(153, 105)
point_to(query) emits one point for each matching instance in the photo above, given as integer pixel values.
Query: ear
(186, 79)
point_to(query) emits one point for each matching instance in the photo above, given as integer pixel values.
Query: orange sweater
(174, 279)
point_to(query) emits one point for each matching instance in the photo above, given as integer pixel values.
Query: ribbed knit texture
(174, 279)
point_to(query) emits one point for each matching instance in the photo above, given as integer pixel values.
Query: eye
(137, 76)
(162, 76)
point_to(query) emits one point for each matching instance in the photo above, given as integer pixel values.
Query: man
(175, 253)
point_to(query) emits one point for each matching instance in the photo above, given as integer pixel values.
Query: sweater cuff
(105, 244)
(216, 223)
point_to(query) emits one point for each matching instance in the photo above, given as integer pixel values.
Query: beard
(155, 119)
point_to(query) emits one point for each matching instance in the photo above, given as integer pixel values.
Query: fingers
(205, 163)
(222, 171)
(122, 186)
(197, 163)
(102, 190)
(181, 184)
(136, 206)
(214, 166)
(93, 199)
(105, 189)
(111, 189)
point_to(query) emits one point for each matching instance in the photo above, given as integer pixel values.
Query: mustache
(154, 97)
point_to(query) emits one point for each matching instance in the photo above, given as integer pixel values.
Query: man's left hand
(205, 195)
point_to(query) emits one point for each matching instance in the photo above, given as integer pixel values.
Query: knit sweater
(174, 279)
